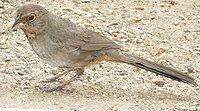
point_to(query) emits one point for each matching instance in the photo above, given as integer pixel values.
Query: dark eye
(31, 17)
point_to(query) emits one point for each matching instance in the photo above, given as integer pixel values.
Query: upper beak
(18, 24)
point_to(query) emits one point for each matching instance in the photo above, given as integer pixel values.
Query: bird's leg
(79, 72)
(56, 76)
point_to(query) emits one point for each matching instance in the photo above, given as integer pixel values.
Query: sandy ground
(164, 31)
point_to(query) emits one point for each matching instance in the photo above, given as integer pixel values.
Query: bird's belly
(52, 55)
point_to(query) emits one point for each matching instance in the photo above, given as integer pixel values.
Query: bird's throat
(29, 34)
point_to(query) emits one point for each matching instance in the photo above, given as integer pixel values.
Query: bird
(64, 44)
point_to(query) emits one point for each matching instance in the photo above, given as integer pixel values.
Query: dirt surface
(165, 31)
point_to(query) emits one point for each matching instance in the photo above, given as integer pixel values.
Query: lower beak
(18, 24)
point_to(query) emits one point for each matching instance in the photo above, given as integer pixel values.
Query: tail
(151, 66)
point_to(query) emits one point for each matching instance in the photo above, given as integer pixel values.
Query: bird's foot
(60, 87)
(53, 79)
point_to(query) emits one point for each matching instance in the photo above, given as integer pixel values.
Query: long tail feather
(152, 66)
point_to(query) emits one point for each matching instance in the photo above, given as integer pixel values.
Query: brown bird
(64, 44)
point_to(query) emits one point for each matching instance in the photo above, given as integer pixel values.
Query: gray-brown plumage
(64, 44)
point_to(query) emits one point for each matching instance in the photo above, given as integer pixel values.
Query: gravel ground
(164, 31)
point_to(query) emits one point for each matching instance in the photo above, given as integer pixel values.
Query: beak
(18, 24)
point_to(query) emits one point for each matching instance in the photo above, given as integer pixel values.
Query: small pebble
(124, 87)
(139, 41)
(2, 42)
(4, 47)
(85, 1)
(158, 82)
(136, 19)
(176, 23)
(110, 32)
(159, 49)
(139, 8)
(164, 57)
(88, 15)
(1, 4)
(7, 57)
(190, 69)
(172, 2)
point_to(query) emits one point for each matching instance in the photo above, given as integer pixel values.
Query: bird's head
(32, 19)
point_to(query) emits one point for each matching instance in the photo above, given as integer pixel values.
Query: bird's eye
(31, 17)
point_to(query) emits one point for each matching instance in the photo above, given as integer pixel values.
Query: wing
(95, 41)
(73, 35)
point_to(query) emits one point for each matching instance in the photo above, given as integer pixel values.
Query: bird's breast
(50, 52)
